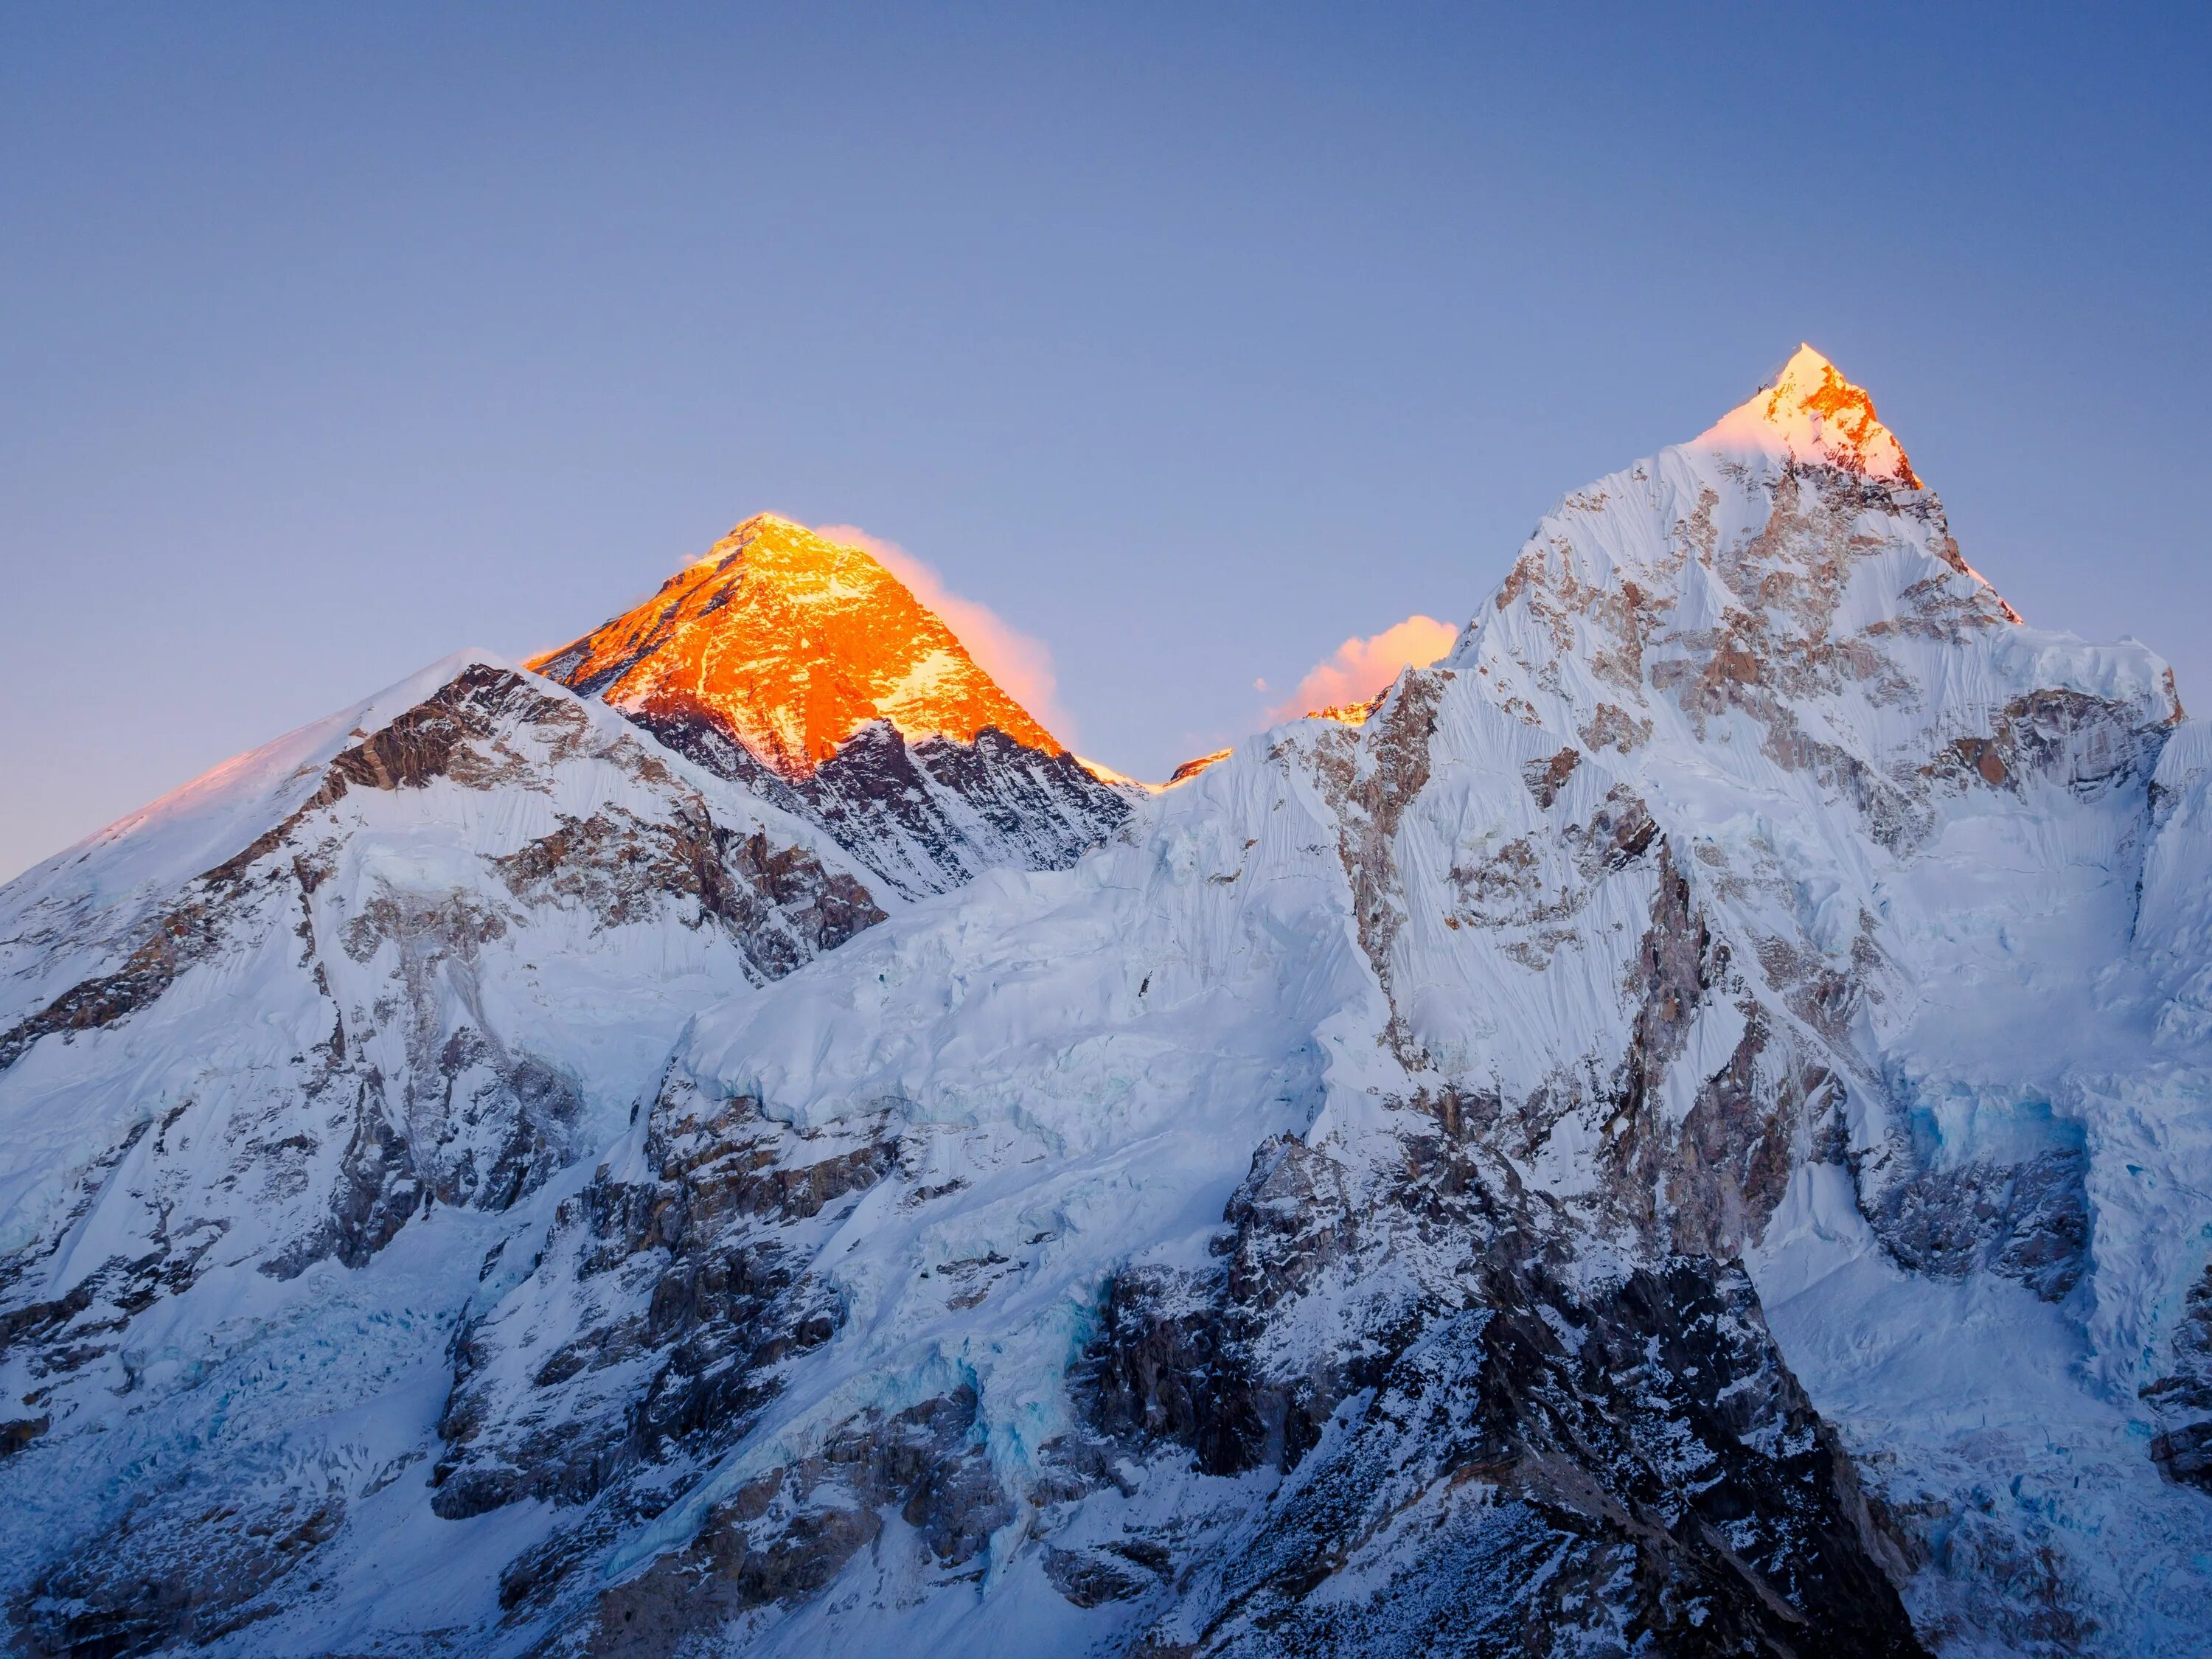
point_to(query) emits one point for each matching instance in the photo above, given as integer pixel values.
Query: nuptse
(1681, 1131)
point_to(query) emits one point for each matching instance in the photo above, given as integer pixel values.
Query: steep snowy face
(1681, 1128)
(372, 939)
(1913, 823)
(1789, 664)
(406, 964)
(2163, 1327)
(802, 668)
(1893, 1035)
(1749, 883)
(790, 643)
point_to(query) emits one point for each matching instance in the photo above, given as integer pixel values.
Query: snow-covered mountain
(1684, 1130)
(805, 669)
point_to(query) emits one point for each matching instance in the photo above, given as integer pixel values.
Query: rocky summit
(803, 669)
(1680, 1129)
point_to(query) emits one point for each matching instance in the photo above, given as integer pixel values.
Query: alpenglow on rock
(1682, 1131)
(803, 669)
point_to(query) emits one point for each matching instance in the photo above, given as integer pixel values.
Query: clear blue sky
(1191, 339)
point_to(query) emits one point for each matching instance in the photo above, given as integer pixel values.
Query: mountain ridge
(1678, 1128)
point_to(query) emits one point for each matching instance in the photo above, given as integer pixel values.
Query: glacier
(1684, 1131)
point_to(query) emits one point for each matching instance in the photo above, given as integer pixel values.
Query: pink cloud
(1020, 664)
(1360, 669)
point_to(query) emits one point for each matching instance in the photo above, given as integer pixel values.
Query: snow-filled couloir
(1681, 1131)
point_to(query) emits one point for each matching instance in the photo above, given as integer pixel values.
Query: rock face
(803, 669)
(388, 1003)
(1498, 1462)
(2184, 1396)
(1679, 1129)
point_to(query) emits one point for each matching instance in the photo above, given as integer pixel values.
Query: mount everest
(1682, 1129)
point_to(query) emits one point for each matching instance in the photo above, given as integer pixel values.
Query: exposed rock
(2028, 1221)
(1511, 1467)
(692, 1295)
(176, 1572)
(182, 937)
(1545, 778)
(2182, 1397)
(2063, 736)
(786, 1535)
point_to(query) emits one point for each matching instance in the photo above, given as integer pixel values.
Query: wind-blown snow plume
(1021, 663)
(1360, 669)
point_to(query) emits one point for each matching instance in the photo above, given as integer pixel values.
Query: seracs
(1682, 1129)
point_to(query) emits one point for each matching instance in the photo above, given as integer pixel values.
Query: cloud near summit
(1360, 668)
(1021, 664)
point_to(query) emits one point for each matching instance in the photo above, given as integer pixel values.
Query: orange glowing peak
(790, 643)
(1811, 414)
(1191, 769)
(1350, 713)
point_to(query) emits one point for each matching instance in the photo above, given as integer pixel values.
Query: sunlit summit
(1673, 1124)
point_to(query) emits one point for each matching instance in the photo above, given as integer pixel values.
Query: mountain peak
(761, 524)
(1808, 412)
(790, 642)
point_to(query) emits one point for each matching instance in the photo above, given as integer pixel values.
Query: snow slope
(399, 965)
(1684, 1131)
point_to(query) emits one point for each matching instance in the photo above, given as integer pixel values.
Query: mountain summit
(790, 643)
(802, 669)
(1681, 1130)
(1811, 414)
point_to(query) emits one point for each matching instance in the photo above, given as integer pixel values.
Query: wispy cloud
(1358, 668)
(1021, 664)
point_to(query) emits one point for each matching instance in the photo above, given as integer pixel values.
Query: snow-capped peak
(1810, 413)
(789, 643)
(759, 524)
(1680, 1126)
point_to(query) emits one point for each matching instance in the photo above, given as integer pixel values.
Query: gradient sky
(1190, 340)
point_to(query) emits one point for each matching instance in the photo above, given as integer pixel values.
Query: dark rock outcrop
(2182, 1397)
(924, 817)
(1525, 1462)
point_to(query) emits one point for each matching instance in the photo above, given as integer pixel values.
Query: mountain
(389, 976)
(787, 644)
(1681, 1130)
(805, 669)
